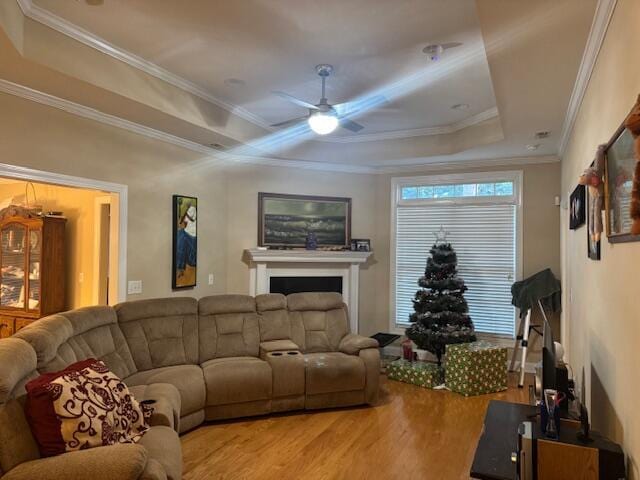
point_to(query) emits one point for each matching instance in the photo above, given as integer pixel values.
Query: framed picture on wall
(284, 221)
(185, 242)
(577, 207)
(619, 169)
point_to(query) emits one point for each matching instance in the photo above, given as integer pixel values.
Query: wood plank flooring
(413, 433)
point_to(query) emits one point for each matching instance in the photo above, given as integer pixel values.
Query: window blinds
(484, 237)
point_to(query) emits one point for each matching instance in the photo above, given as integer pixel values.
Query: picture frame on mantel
(285, 221)
(619, 167)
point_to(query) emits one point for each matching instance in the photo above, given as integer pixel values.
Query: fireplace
(290, 271)
(298, 284)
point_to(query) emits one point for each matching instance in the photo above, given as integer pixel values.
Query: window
(480, 212)
(461, 190)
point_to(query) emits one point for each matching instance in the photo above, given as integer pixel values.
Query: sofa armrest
(371, 359)
(351, 343)
(123, 461)
(276, 346)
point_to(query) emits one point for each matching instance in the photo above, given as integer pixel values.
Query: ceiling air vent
(542, 134)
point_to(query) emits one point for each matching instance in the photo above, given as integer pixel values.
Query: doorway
(96, 230)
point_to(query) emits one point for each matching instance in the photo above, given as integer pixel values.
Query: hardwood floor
(413, 433)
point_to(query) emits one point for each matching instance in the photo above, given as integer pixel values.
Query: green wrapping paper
(476, 368)
(422, 374)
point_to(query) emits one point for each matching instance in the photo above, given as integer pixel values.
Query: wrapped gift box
(422, 374)
(476, 368)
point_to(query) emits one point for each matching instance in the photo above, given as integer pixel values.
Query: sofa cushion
(322, 317)
(228, 327)
(237, 379)
(333, 372)
(323, 331)
(83, 406)
(17, 444)
(17, 364)
(163, 445)
(269, 302)
(164, 398)
(274, 318)
(69, 337)
(314, 301)
(124, 462)
(187, 379)
(160, 332)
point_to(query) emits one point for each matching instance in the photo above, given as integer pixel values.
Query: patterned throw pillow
(83, 406)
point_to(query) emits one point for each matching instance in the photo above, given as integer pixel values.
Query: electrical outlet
(211, 279)
(134, 287)
(81, 277)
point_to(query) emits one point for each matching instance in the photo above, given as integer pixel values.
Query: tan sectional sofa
(221, 357)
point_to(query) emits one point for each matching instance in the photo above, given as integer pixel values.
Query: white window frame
(397, 183)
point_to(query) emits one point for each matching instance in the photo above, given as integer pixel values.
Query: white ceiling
(275, 45)
(516, 69)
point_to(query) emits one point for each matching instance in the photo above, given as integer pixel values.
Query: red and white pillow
(83, 406)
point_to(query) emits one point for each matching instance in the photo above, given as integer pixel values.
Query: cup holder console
(283, 353)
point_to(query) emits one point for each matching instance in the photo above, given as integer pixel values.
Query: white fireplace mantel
(265, 264)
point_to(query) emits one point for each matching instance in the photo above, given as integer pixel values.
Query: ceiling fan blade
(350, 125)
(446, 46)
(292, 99)
(360, 105)
(286, 123)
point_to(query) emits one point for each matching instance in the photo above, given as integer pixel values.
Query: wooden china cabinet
(32, 275)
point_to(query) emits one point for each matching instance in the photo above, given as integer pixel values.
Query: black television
(546, 369)
(549, 361)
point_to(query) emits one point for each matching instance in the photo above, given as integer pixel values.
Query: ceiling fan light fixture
(323, 123)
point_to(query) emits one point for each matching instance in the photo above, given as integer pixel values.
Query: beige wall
(77, 206)
(45, 138)
(602, 313)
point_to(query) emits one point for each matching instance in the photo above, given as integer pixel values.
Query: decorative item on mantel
(311, 242)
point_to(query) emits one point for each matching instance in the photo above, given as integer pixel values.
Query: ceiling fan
(323, 118)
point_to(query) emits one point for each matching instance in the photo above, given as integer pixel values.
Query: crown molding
(417, 132)
(428, 166)
(211, 153)
(224, 158)
(59, 24)
(599, 26)
(39, 14)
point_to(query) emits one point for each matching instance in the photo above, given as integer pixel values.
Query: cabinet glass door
(13, 245)
(35, 254)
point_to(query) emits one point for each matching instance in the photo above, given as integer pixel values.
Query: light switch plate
(211, 279)
(134, 287)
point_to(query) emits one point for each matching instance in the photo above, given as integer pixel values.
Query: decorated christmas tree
(441, 314)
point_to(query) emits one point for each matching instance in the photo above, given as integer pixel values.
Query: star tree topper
(441, 235)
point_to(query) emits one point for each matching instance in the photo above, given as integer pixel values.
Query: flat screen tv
(548, 358)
